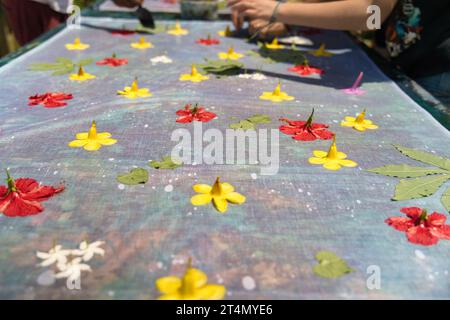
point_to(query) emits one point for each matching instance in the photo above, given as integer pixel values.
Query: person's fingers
(242, 6)
(238, 21)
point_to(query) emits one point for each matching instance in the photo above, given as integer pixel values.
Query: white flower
(253, 76)
(410, 38)
(88, 250)
(55, 255)
(160, 59)
(72, 270)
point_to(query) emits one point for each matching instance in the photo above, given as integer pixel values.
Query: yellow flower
(77, 45)
(81, 75)
(274, 45)
(192, 286)
(220, 194)
(276, 95)
(225, 33)
(333, 159)
(194, 76)
(142, 44)
(134, 92)
(359, 123)
(178, 30)
(230, 55)
(321, 52)
(92, 140)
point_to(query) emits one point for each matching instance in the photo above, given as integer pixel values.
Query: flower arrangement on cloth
(194, 76)
(276, 95)
(192, 286)
(219, 193)
(196, 113)
(209, 41)
(142, 44)
(359, 123)
(306, 130)
(333, 159)
(134, 91)
(23, 197)
(112, 61)
(71, 263)
(230, 55)
(92, 141)
(420, 227)
(305, 69)
(77, 45)
(81, 75)
(50, 99)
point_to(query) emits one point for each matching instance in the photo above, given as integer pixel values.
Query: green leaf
(165, 163)
(425, 157)
(135, 176)
(60, 67)
(243, 125)
(221, 67)
(445, 199)
(408, 189)
(159, 28)
(85, 62)
(260, 118)
(330, 265)
(405, 171)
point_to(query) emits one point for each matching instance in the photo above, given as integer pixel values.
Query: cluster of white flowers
(160, 59)
(253, 76)
(70, 263)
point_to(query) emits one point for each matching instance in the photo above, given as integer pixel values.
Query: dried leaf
(425, 157)
(405, 171)
(419, 187)
(330, 265)
(165, 163)
(135, 176)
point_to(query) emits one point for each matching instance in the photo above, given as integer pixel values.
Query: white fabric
(62, 6)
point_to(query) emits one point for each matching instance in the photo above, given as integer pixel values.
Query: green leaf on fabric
(425, 157)
(159, 28)
(405, 171)
(135, 176)
(445, 199)
(330, 265)
(222, 67)
(60, 67)
(251, 122)
(165, 163)
(419, 187)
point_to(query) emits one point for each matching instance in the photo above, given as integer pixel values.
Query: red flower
(122, 33)
(306, 70)
(208, 41)
(196, 113)
(421, 228)
(112, 61)
(50, 99)
(23, 197)
(306, 130)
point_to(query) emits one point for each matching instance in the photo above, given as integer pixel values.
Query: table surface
(150, 230)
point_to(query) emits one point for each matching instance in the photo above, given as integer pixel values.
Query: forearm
(337, 15)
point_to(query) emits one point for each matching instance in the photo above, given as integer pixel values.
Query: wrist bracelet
(273, 18)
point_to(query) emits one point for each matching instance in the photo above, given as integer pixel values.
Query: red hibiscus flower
(420, 227)
(208, 41)
(112, 61)
(23, 197)
(306, 130)
(306, 70)
(50, 99)
(196, 113)
(122, 33)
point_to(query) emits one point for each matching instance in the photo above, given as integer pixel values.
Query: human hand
(253, 9)
(275, 29)
(128, 3)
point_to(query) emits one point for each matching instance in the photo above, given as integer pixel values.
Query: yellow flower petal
(82, 135)
(221, 204)
(173, 296)
(371, 126)
(320, 153)
(348, 163)
(201, 199)
(101, 135)
(314, 160)
(366, 121)
(77, 143)
(92, 145)
(227, 188)
(197, 277)
(359, 127)
(350, 119)
(211, 292)
(168, 285)
(202, 188)
(332, 165)
(347, 124)
(235, 198)
(341, 155)
(106, 142)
